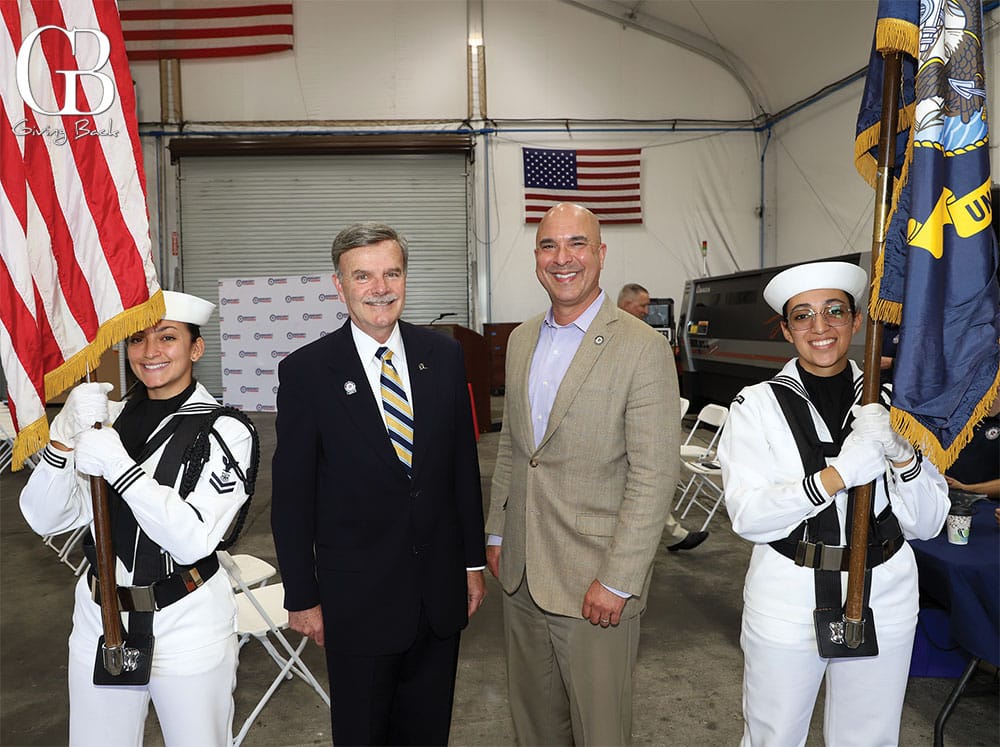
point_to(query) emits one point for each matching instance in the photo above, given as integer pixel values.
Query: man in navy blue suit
(376, 503)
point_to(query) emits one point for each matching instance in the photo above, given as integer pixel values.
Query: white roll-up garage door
(247, 216)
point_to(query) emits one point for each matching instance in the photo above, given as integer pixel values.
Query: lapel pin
(599, 340)
(421, 367)
(350, 387)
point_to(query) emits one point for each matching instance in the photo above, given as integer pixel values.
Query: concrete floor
(688, 679)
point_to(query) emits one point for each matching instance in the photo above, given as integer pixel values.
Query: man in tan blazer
(585, 474)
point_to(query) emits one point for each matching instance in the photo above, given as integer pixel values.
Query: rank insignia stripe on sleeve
(223, 484)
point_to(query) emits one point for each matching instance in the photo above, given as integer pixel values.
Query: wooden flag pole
(854, 606)
(114, 650)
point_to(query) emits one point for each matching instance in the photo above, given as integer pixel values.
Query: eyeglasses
(834, 314)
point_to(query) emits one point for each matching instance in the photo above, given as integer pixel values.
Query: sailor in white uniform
(165, 531)
(790, 453)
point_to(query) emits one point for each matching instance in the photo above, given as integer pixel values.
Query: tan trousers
(568, 681)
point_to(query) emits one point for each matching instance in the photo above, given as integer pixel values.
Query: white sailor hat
(813, 275)
(183, 307)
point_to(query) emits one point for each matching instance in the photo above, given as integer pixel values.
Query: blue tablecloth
(965, 580)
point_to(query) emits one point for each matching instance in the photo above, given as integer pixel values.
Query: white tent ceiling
(782, 51)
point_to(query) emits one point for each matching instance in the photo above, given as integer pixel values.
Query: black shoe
(690, 542)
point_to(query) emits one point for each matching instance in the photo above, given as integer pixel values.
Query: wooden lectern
(477, 354)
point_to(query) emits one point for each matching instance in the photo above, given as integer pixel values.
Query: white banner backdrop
(262, 320)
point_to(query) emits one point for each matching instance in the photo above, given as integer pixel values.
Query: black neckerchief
(141, 416)
(832, 396)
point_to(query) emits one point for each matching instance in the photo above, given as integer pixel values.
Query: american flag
(605, 181)
(184, 29)
(76, 268)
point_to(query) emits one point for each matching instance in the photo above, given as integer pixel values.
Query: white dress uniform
(767, 497)
(195, 652)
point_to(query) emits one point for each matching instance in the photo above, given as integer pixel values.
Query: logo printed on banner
(72, 77)
(287, 322)
(342, 315)
(233, 371)
(227, 301)
(231, 336)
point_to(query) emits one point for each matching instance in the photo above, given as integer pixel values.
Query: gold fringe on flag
(29, 439)
(897, 35)
(111, 332)
(32, 437)
(918, 435)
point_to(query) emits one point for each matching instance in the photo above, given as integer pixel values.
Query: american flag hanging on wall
(605, 181)
(76, 267)
(185, 29)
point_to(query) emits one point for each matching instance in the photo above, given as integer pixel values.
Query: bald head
(569, 256)
(568, 211)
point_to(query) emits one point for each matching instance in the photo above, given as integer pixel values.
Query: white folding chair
(73, 539)
(685, 404)
(260, 614)
(706, 494)
(253, 570)
(699, 466)
(710, 417)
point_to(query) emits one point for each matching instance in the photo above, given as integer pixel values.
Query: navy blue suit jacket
(351, 530)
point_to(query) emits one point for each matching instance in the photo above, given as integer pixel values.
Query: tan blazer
(591, 501)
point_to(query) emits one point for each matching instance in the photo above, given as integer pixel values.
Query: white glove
(100, 453)
(86, 404)
(873, 421)
(861, 460)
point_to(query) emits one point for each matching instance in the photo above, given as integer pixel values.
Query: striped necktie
(398, 413)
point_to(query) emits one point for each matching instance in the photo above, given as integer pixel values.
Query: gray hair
(365, 234)
(630, 290)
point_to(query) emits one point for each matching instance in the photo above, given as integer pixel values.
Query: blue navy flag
(937, 278)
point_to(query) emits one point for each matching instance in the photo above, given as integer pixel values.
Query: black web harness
(816, 542)
(186, 452)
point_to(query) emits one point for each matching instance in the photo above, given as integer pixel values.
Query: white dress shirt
(366, 347)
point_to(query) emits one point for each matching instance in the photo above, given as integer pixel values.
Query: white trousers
(782, 673)
(194, 710)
